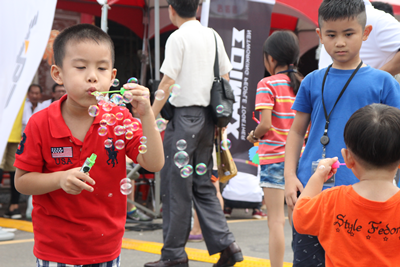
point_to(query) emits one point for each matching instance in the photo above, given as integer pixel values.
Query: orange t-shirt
(353, 231)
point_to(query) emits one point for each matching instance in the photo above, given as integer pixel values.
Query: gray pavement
(251, 235)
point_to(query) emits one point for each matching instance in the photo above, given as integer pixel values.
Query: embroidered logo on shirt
(61, 152)
(21, 145)
(112, 155)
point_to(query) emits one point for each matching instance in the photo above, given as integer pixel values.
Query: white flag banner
(23, 39)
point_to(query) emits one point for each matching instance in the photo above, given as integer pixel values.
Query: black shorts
(307, 251)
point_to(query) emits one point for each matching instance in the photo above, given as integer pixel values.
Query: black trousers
(195, 126)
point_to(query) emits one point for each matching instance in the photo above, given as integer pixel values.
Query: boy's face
(342, 40)
(87, 67)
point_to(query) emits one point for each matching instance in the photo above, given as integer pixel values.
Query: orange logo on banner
(26, 45)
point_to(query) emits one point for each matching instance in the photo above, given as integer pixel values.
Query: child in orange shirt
(358, 224)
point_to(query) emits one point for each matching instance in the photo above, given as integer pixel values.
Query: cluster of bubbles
(128, 126)
(181, 159)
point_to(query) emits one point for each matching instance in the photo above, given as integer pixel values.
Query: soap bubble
(122, 106)
(159, 94)
(119, 116)
(119, 144)
(143, 140)
(128, 97)
(116, 99)
(119, 130)
(145, 95)
(127, 122)
(112, 120)
(129, 135)
(181, 159)
(175, 89)
(108, 143)
(220, 108)
(201, 169)
(142, 149)
(126, 186)
(103, 123)
(106, 117)
(186, 171)
(94, 110)
(161, 124)
(135, 126)
(133, 80)
(226, 144)
(115, 83)
(181, 144)
(102, 131)
(107, 107)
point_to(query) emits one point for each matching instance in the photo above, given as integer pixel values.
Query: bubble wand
(121, 91)
(337, 164)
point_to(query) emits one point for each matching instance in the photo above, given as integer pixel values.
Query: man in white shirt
(381, 50)
(32, 105)
(189, 62)
(58, 91)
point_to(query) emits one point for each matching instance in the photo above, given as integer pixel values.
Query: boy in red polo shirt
(79, 219)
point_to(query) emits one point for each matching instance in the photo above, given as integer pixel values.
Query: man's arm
(164, 85)
(294, 144)
(393, 66)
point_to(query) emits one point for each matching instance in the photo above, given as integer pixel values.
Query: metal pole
(157, 38)
(104, 15)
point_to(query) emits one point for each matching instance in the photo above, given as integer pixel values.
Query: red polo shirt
(85, 228)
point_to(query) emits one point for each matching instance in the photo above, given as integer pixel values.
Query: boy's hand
(324, 169)
(73, 182)
(292, 186)
(141, 98)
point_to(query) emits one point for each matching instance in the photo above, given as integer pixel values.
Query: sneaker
(258, 214)
(4, 235)
(227, 213)
(195, 238)
(15, 214)
(137, 216)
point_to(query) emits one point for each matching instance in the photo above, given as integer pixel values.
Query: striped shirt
(275, 93)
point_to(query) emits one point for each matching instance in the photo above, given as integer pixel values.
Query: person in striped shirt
(274, 99)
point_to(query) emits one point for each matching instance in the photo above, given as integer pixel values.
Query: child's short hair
(342, 9)
(372, 134)
(79, 33)
(185, 8)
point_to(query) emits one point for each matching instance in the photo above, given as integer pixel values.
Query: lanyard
(325, 139)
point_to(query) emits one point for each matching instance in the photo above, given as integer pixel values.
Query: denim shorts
(271, 176)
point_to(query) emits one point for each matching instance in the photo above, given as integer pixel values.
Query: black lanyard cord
(325, 141)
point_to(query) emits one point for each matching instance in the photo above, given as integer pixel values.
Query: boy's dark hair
(35, 85)
(384, 7)
(283, 46)
(79, 33)
(372, 134)
(185, 8)
(342, 9)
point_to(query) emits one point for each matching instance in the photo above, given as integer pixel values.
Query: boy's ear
(56, 74)
(367, 31)
(113, 75)
(318, 31)
(348, 158)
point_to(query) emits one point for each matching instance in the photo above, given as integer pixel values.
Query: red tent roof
(130, 12)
